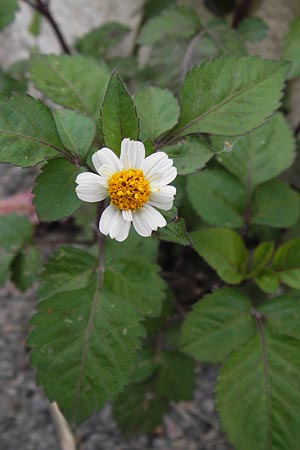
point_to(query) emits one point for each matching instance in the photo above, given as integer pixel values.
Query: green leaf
(157, 110)
(175, 230)
(261, 155)
(176, 379)
(218, 197)
(83, 335)
(189, 156)
(217, 325)
(252, 29)
(9, 84)
(118, 115)
(97, 41)
(258, 393)
(8, 9)
(76, 131)
(154, 7)
(35, 24)
(178, 20)
(25, 268)
(15, 231)
(232, 103)
(272, 197)
(267, 281)
(219, 39)
(136, 281)
(28, 132)
(262, 256)
(54, 191)
(75, 82)
(139, 409)
(291, 48)
(286, 263)
(224, 250)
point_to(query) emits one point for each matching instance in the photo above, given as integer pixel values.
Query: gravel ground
(24, 414)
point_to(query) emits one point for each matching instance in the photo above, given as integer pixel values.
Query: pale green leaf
(157, 110)
(218, 197)
(291, 48)
(118, 115)
(230, 95)
(54, 191)
(270, 199)
(8, 9)
(258, 393)
(76, 131)
(261, 155)
(75, 82)
(189, 156)
(224, 250)
(286, 263)
(28, 132)
(178, 20)
(217, 325)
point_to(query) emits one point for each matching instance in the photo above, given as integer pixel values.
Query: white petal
(163, 197)
(132, 154)
(127, 215)
(154, 163)
(107, 157)
(112, 224)
(162, 178)
(90, 188)
(147, 219)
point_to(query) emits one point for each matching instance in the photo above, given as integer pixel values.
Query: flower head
(135, 185)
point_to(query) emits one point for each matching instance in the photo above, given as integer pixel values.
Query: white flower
(134, 184)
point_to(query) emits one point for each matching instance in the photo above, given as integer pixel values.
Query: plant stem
(42, 6)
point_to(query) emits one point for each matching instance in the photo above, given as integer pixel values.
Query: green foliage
(189, 156)
(286, 263)
(252, 29)
(261, 155)
(25, 268)
(8, 9)
(239, 83)
(272, 197)
(28, 132)
(9, 84)
(157, 110)
(98, 41)
(35, 24)
(265, 374)
(224, 250)
(54, 191)
(75, 130)
(175, 230)
(154, 7)
(15, 232)
(220, 321)
(218, 197)
(291, 48)
(178, 19)
(118, 115)
(75, 82)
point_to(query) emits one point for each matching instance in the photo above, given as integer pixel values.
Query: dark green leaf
(9, 84)
(261, 155)
(224, 250)
(25, 268)
(218, 197)
(189, 156)
(262, 256)
(154, 7)
(8, 9)
(54, 191)
(28, 132)
(283, 315)
(252, 29)
(178, 20)
(96, 42)
(272, 197)
(218, 324)
(76, 131)
(267, 281)
(224, 95)
(75, 82)
(175, 230)
(118, 115)
(157, 110)
(291, 48)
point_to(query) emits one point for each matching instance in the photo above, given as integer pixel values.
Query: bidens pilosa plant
(110, 323)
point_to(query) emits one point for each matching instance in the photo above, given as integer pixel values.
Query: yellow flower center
(128, 189)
